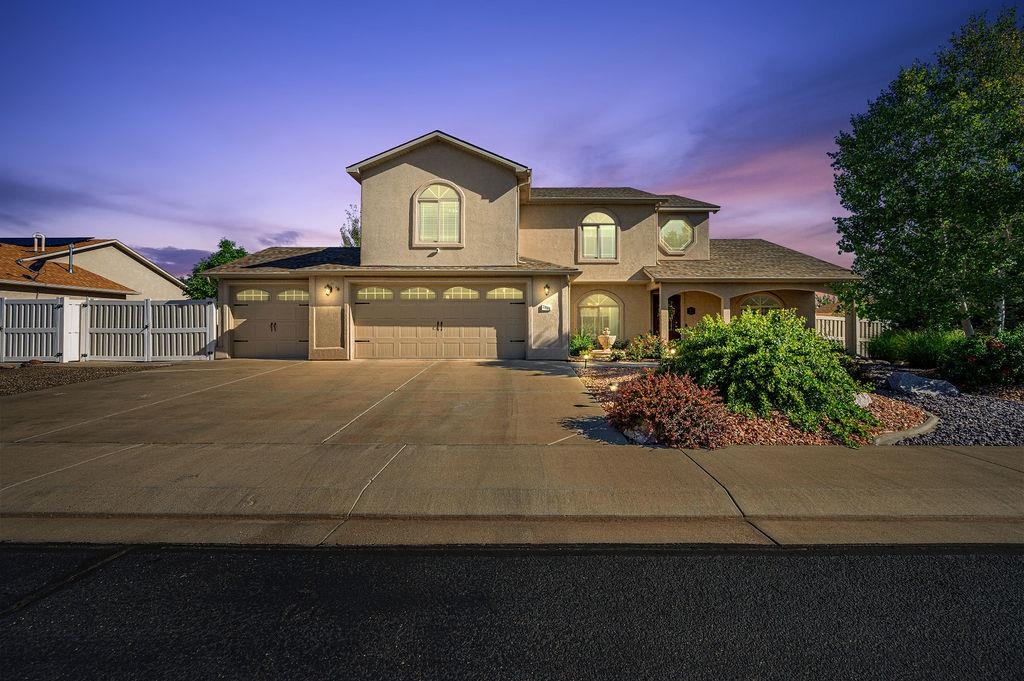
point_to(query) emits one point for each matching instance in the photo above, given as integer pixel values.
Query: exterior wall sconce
(328, 289)
(547, 290)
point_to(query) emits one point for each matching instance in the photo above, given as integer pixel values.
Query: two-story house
(462, 257)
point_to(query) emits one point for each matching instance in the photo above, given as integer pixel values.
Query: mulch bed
(16, 379)
(893, 415)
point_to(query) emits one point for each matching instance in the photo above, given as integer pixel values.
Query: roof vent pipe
(36, 238)
(71, 258)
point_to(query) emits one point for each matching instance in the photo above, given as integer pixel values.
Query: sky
(171, 125)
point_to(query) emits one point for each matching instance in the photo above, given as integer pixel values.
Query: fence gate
(834, 328)
(31, 329)
(146, 330)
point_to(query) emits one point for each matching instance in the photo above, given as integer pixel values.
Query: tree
(932, 178)
(352, 230)
(196, 285)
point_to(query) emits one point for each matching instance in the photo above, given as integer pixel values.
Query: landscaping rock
(862, 400)
(8, 366)
(969, 420)
(909, 384)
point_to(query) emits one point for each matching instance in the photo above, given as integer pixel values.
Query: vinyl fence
(63, 330)
(834, 328)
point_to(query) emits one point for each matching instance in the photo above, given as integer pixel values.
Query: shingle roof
(616, 193)
(743, 259)
(281, 260)
(49, 273)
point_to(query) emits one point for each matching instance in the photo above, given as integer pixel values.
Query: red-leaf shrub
(671, 410)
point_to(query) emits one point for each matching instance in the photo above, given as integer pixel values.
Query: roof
(627, 194)
(48, 274)
(356, 169)
(746, 259)
(60, 248)
(291, 260)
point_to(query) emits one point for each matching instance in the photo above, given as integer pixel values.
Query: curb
(892, 438)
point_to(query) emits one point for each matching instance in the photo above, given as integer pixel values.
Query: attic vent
(38, 242)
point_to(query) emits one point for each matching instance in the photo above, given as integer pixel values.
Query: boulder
(862, 400)
(911, 384)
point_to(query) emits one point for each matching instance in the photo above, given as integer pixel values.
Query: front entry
(427, 321)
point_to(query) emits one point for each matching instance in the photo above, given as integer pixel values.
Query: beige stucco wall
(327, 318)
(27, 292)
(490, 207)
(634, 301)
(118, 266)
(549, 331)
(704, 304)
(801, 301)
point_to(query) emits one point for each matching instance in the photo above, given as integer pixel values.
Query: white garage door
(428, 321)
(271, 321)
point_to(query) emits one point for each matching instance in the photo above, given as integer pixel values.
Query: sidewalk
(509, 494)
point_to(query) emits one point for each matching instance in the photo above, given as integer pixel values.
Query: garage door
(271, 321)
(427, 321)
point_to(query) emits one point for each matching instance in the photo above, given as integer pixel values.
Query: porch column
(852, 332)
(664, 313)
(726, 309)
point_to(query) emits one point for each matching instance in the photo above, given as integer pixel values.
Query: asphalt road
(184, 613)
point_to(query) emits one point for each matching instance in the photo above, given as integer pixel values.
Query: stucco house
(81, 267)
(462, 257)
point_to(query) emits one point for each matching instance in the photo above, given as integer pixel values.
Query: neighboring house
(83, 267)
(462, 258)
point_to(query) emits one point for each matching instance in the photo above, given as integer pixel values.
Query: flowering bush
(644, 346)
(671, 410)
(773, 361)
(986, 360)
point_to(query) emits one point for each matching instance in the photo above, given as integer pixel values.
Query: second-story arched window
(439, 215)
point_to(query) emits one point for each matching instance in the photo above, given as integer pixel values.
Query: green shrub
(671, 410)
(760, 362)
(620, 344)
(920, 349)
(579, 343)
(985, 360)
(644, 346)
(617, 356)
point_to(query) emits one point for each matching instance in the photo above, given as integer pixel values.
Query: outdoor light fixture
(586, 358)
(613, 387)
(328, 289)
(547, 290)
(671, 352)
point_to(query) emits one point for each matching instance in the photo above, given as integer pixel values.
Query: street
(152, 612)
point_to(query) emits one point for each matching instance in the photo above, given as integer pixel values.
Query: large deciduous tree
(932, 178)
(352, 229)
(197, 286)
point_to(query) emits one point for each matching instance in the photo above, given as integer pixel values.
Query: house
(83, 267)
(462, 257)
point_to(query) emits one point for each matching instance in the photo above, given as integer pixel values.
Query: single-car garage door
(428, 321)
(271, 321)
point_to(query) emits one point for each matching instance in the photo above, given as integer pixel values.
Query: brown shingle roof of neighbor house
(49, 274)
(616, 194)
(286, 260)
(742, 259)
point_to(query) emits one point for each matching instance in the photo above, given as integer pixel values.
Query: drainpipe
(71, 258)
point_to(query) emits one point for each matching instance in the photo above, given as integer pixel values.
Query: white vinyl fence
(66, 330)
(834, 328)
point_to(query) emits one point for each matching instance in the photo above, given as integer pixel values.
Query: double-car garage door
(427, 321)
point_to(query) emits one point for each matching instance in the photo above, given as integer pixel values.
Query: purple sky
(170, 125)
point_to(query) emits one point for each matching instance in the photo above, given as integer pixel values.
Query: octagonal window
(676, 235)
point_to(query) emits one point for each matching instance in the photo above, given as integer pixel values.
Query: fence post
(3, 329)
(147, 332)
(211, 328)
(852, 332)
(85, 342)
(58, 345)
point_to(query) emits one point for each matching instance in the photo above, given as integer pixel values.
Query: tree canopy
(352, 229)
(196, 285)
(932, 178)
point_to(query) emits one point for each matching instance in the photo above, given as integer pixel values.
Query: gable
(358, 170)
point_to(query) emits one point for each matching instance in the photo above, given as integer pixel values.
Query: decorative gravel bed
(970, 420)
(893, 415)
(43, 376)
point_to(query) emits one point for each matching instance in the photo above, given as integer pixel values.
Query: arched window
(461, 293)
(252, 295)
(504, 293)
(760, 302)
(676, 234)
(439, 219)
(374, 293)
(598, 312)
(417, 293)
(294, 294)
(598, 237)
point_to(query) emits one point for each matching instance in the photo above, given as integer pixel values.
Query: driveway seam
(360, 495)
(731, 498)
(79, 463)
(360, 414)
(153, 404)
(978, 458)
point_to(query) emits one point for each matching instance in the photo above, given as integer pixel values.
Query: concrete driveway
(422, 452)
